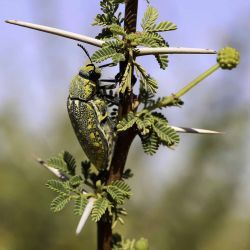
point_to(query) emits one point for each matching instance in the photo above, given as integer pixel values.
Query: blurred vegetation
(195, 211)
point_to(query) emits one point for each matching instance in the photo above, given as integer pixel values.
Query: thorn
(85, 215)
(195, 130)
(99, 43)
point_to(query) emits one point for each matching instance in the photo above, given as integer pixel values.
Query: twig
(99, 43)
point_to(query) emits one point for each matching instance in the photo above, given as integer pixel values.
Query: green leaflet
(70, 162)
(162, 61)
(58, 186)
(148, 42)
(126, 79)
(143, 125)
(103, 54)
(64, 162)
(75, 181)
(122, 186)
(80, 204)
(116, 194)
(162, 26)
(126, 122)
(166, 134)
(58, 162)
(99, 208)
(150, 143)
(147, 82)
(149, 18)
(117, 29)
(59, 203)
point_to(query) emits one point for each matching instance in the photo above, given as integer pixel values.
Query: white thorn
(59, 32)
(195, 130)
(85, 215)
(173, 50)
(99, 43)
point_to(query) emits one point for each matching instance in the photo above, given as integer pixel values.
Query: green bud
(142, 244)
(228, 58)
(98, 184)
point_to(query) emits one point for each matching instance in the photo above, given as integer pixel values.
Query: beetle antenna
(86, 52)
(108, 65)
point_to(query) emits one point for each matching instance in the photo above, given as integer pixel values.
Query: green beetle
(88, 112)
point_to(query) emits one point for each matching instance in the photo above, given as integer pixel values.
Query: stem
(169, 100)
(197, 80)
(124, 140)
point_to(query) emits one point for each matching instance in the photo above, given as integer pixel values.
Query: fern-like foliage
(126, 122)
(108, 17)
(153, 129)
(126, 83)
(80, 204)
(162, 26)
(75, 181)
(58, 186)
(103, 54)
(99, 208)
(148, 84)
(70, 162)
(119, 190)
(59, 203)
(64, 162)
(150, 143)
(149, 18)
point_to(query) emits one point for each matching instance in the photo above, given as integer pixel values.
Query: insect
(87, 106)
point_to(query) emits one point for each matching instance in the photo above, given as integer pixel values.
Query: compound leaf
(99, 208)
(149, 18)
(103, 54)
(166, 134)
(59, 203)
(162, 26)
(80, 204)
(122, 186)
(70, 161)
(126, 122)
(117, 30)
(150, 143)
(58, 162)
(162, 61)
(57, 186)
(75, 181)
(116, 194)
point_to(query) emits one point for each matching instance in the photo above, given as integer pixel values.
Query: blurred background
(194, 197)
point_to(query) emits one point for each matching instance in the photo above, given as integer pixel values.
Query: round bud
(142, 244)
(228, 58)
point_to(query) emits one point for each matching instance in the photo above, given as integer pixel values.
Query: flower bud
(228, 58)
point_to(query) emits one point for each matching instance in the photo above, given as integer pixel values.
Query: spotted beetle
(88, 111)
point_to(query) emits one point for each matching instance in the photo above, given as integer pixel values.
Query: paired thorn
(99, 43)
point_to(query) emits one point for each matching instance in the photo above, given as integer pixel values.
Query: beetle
(87, 107)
